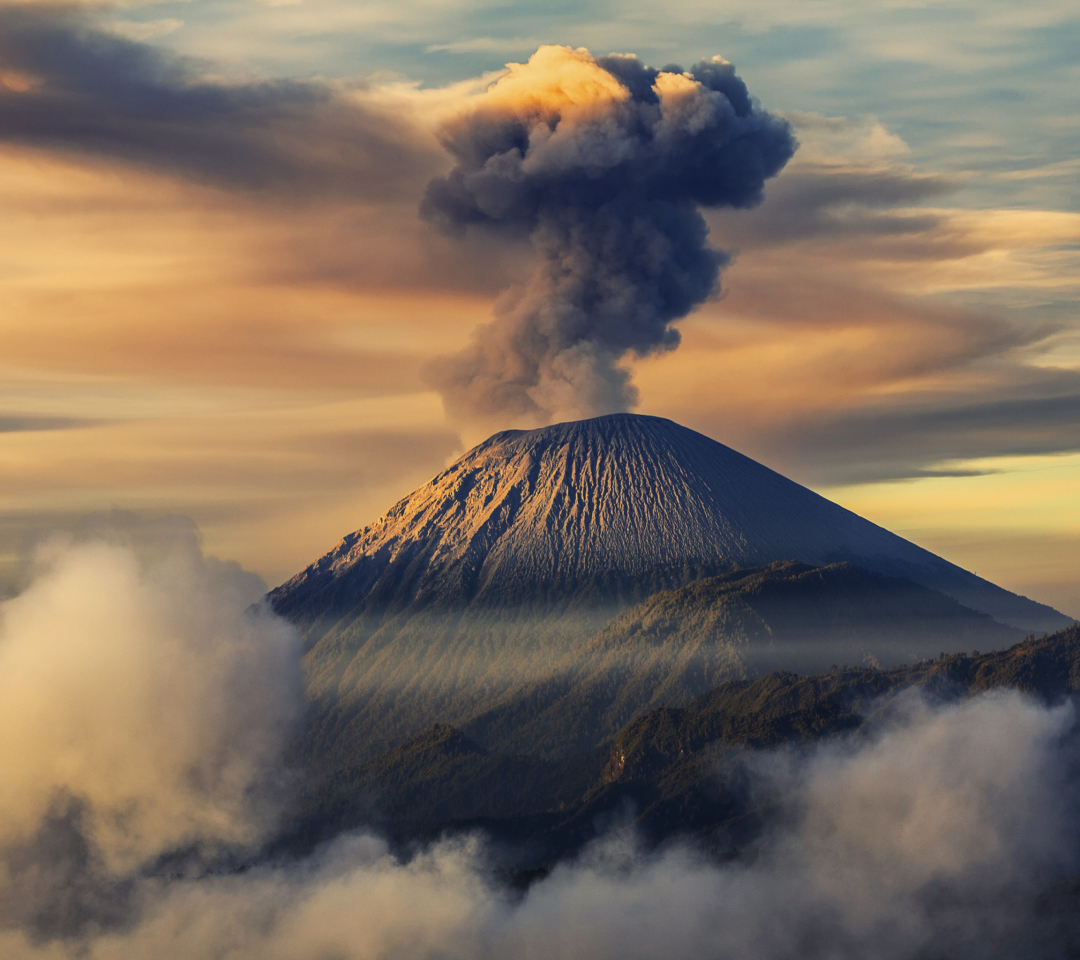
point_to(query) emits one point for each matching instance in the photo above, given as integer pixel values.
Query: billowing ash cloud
(603, 163)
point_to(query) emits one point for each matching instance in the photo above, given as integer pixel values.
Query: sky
(218, 297)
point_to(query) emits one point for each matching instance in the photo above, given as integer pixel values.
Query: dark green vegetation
(671, 771)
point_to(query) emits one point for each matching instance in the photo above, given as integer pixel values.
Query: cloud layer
(71, 86)
(143, 706)
(934, 832)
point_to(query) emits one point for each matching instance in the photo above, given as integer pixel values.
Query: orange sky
(253, 358)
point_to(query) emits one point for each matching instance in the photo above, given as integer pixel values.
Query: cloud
(846, 181)
(913, 439)
(484, 45)
(873, 324)
(275, 487)
(603, 163)
(144, 703)
(870, 332)
(83, 89)
(144, 30)
(935, 832)
(19, 423)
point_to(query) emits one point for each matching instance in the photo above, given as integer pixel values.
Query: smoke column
(603, 163)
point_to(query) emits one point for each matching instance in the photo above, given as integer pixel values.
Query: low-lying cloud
(933, 837)
(144, 703)
(144, 709)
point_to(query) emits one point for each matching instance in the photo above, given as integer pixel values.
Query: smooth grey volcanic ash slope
(601, 511)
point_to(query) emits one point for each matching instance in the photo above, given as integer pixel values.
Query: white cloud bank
(143, 708)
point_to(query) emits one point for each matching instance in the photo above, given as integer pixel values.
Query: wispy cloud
(20, 423)
(486, 45)
(143, 30)
(91, 91)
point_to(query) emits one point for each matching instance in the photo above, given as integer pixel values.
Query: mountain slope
(679, 643)
(604, 507)
(487, 577)
(674, 771)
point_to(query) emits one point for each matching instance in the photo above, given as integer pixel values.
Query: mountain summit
(616, 506)
(475, 597)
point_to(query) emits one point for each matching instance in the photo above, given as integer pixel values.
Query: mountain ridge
(672, 772)
(678, 643)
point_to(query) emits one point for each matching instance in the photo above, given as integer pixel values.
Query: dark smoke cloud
(72, 86)
(604, 163)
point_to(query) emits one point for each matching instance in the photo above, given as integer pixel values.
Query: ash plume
(603, 164)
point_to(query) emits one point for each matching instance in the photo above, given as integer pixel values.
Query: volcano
(492, 574)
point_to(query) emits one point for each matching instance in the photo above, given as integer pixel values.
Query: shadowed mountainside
(663, 652)
(679, 643)
(670, 771)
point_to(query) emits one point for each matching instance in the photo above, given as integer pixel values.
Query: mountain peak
(476, 595)
(604, 510)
